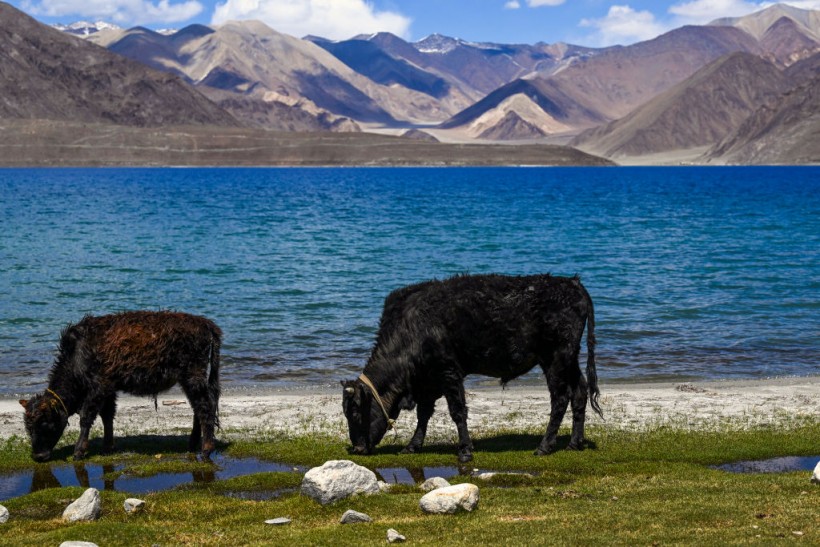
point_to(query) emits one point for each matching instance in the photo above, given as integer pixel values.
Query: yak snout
(41, 457)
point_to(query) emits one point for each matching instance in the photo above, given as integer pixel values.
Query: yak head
(45, 421)
(366, 422)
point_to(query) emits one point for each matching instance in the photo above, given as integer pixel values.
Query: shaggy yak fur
(433, 334)
(141, 352)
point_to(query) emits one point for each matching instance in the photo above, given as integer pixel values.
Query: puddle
(417, 475)
(774, 465)
(224, 467)
(92, 475)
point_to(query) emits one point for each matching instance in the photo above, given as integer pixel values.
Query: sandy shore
(626, 406)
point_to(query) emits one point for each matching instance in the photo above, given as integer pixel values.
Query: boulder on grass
(815, 478)
(338, 479)
(451, 499)
(434, 482)
(86, 507)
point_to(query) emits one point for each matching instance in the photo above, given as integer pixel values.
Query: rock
(338, 479)
(352, 517)
(434, 482)
(395, 537)
(278, 521)
(815, 478)
(133, 505)
(491, 474)
(384, 486)
(78, 544)
(4, 515)
(450, 499)
(86, 507)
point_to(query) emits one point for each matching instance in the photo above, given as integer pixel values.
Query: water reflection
(104, 477)
(772, 465)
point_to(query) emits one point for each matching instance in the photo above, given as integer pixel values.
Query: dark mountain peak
(192, 32)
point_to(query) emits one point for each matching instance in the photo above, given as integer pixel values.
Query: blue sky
(584, 22)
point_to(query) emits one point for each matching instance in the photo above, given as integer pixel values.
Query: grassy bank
(651, 487)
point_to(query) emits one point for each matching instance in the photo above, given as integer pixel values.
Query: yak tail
(592, 374)
(213, 376)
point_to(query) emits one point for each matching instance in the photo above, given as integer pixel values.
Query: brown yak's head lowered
(45, 419)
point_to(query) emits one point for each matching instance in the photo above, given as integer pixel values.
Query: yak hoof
(79, 455)
(544, 452)
(464, 457)
(408, 450)
(576, 446)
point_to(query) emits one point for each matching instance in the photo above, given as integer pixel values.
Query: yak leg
(88, 414)
(196, 389)
(457, 404)
(579, 409)
(559, 400)
(424, 411)
(107, 413)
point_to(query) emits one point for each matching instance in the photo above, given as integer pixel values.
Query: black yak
(140, 352)
(433, 334)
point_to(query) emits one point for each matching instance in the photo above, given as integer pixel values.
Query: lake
(696, 272)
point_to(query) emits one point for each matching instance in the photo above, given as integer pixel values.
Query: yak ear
(24, 403)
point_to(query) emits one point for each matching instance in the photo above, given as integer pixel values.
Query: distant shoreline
(689, 405)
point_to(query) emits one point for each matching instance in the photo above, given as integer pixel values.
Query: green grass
(649, 487)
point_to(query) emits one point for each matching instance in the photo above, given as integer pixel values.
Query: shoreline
(630, 406)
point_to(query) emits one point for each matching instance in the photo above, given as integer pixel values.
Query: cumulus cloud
(624, 25)
(123, 12)
(334, 19)
(539, 3)
(512, 4)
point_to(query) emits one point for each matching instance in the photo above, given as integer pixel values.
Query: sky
(594, 23)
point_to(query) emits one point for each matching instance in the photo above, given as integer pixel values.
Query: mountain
(48, 74)
(612, 83)
(698, 112)
(784, 131)
(250, 59)
(84, 28)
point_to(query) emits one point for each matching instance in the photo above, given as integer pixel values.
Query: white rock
(491, 474)
(434, 482)
(450, 499)
(78, 544)
(4, 515)
(86, 507)
(133, 505)
(815, 478)
(338, 479)
(395, 537)
(278, 521)
(352, 517)
(384, 486)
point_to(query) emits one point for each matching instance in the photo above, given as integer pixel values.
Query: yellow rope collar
(366, 381)
(59, 399)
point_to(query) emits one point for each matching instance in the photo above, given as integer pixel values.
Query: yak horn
(349, 390)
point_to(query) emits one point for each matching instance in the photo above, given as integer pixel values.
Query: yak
(433, 334)
(137, 352)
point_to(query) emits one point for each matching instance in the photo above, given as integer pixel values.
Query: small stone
(451, 499)
(78, 544)
(4, 515)
(815, 478)
(797, 533)
(395, 537)
(352, 517)
(278, 521)
(384, 486)
(133, 505)
(86, 507)
(488, 475)
(434, 482)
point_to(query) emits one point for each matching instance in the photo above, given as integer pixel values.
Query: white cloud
(699, 12)
(123, 12)
(333, 19)
(512, 4)
(624, 25)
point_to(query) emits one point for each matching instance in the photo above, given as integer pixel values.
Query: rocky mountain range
(697, 93)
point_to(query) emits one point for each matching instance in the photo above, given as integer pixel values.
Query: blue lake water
(696, 273)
